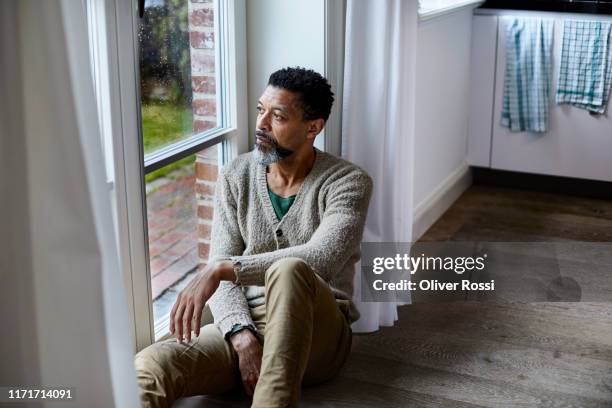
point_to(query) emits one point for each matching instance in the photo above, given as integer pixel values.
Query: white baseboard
(427, 212)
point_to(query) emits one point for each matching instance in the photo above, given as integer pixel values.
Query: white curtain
(378, 124)
(64, 314)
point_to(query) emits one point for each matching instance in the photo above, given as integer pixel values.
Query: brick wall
(202, 48)
(206, 176)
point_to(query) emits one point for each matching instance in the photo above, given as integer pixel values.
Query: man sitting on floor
(287, 226)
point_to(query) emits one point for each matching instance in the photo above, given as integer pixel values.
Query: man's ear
(315, 127)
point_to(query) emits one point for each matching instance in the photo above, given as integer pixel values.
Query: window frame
(114, 40)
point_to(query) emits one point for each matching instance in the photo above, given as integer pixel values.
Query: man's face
(281, 128)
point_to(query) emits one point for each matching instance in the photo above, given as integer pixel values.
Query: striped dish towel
(527, 81)
(585, 75)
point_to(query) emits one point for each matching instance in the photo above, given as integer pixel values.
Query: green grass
(163, 124)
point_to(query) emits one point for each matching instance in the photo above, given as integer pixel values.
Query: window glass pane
(179, 214)
(177, 71)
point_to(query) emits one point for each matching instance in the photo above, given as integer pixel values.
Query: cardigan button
(279, 233)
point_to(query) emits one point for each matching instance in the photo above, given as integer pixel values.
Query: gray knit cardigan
(323, 227)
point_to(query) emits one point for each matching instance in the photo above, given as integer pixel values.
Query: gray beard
(266, 157)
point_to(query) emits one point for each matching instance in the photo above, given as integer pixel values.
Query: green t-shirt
(281, 204)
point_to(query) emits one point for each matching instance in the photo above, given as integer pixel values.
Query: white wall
(442, 111)
(282, 33)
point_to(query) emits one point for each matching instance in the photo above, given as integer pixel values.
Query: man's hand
(191, 300)
(190, 303)
(249, 352)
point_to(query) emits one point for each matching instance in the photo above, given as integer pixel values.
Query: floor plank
(455, 387)
(471, 350)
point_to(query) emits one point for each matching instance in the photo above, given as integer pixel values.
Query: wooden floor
(486, 213)
(472, 354)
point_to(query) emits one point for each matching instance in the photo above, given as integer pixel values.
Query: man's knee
(291, 270)
(168, 370)
(152, 374)
(151, 362)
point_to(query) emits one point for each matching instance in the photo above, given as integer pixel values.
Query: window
(181, 110)
(181, 76)
(179, 217)
(175, 110)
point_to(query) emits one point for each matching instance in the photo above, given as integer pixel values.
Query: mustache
(266, 137)
(281, 151)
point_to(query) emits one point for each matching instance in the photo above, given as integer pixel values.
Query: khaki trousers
(306, 339)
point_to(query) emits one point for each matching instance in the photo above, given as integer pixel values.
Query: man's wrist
(243, 338)
(239, 327)
(224, 270)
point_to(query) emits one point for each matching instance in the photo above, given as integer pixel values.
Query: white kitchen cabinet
(577, 144)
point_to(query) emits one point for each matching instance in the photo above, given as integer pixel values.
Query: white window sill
(428, 14)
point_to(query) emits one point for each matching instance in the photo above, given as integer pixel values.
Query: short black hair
(316, 96)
